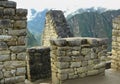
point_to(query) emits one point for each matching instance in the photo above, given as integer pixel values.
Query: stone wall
(39, 63)
(12, 43)
(77, 57)
(116, 44)
(55, 27)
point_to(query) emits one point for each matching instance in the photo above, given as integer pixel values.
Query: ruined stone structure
(77, 57)
(116, 44)
(39, 63)
(55, 27)
(12, 43)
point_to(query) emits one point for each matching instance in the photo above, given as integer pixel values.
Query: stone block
(16, 32)
(20, 24)
(3, 46)
(21, 40)
(75, 64)
(21, 12)
(9, 11)
(81, 70)
(93, 72)
(77, 58)
(9, 4)
(1, 11)
(21, 56)
(5, 52)
(1, 67)
(82, 75)
(62, 77)
(8, 74)
(62, 65)
(14, 64)
(13, 56)
(64, 59)
(5, 23)
(84, 63)
(18, 49)
(4, 58)
(85, 51)
(21, 71)
(100, 65)
(60, 42)
(1, 75)
(66, 71)
(74, 53)
(74, 42)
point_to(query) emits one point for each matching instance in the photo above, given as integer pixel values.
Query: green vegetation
(93, 24)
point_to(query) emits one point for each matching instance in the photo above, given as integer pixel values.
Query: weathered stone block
(9, 11)
(21, 40)
(75, 64)
(62, 65)
(20, 24)
(8, 74)
(21, 56)
(100, 65)
(67, 71)
(18, 49)
(4, 58)
(81, 69)
(21, 12)
(21, 32)
(1, 67)
(14, 64)
(4, 52)
(5, 23)
(62, 76)
(9, 4)
(60, 42)
(74, 53)
(13, 56)
(3, 46)
(93, 72)
(64, 59)
(1, 74)
(21, 71)
(85, 51)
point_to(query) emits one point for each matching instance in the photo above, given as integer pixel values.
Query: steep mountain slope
(31, 40)
(93, 24)
(35, 26)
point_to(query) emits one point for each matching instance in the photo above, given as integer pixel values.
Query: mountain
(93, 24)
(36, 21)
(35, 26)
(31, 40)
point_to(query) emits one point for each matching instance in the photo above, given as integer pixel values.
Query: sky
(64, 5)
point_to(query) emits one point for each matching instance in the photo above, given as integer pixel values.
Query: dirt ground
(110, 77)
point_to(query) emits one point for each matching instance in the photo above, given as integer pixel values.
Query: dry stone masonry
(116, 44)
(55, 27)
(77, 57)
(39, 63)
(12, 43)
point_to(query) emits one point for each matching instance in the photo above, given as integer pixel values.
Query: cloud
(70, 5)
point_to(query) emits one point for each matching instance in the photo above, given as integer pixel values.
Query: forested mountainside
(93, 24)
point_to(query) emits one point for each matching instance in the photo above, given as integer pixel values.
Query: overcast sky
(70, 5)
